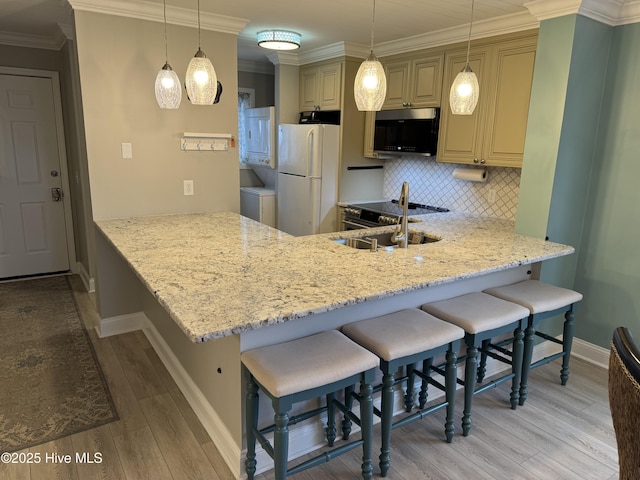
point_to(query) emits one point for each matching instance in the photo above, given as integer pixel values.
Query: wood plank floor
(561, 432)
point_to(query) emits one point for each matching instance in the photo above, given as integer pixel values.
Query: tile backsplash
(432, 183)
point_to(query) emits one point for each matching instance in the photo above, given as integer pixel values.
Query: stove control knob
(355, 212)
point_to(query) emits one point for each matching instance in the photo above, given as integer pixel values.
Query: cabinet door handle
(483, 161)
(475, 160)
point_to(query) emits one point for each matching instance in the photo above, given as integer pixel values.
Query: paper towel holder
(471, 174)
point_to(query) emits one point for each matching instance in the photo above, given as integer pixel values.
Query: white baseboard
(121, 324)
(88, 282)
(209, 418)
(591, 353)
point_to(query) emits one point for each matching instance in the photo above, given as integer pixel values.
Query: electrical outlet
(492, 196)
(188, 187)
(127, 151)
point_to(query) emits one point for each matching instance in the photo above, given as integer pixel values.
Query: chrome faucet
(402, 237)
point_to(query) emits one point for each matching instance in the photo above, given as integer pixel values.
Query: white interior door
(33, 233)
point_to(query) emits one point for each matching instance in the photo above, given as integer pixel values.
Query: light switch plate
(127, 151)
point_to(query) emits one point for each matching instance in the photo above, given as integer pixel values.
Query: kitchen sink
(384, 240)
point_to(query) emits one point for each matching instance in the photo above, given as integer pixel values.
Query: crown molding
(152, 11)
(284, 58)
(45, 42)
(609, 12)
(488, 28)
(255, 67)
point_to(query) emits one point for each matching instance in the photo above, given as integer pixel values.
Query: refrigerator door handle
(310, 139)
(316, 206)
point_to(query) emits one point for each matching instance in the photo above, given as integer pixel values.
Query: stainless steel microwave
(410, 131)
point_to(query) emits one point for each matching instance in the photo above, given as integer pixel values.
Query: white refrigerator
(308, 157)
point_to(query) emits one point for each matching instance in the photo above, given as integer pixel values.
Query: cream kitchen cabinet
(494, 134)
(414, 82)
(321, 87)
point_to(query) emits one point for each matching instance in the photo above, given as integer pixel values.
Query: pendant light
(168, 88)
(201, 80)
(465, 89)
(370, 86)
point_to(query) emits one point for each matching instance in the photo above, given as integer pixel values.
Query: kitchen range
(378, 214)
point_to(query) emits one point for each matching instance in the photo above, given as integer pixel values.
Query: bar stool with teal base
(402, 339)
(483, 317)
(543, 301)
(301, 370)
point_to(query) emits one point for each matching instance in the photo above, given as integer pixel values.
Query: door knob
(54, 173)
(56, 194)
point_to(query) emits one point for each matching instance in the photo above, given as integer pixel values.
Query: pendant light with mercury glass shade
(201, 80)
(465, 89)
(370, 86)
(168, 88)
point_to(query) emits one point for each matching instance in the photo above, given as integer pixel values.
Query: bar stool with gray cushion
(300, 370)
(543, 301)
(402, 339)
(482, 317)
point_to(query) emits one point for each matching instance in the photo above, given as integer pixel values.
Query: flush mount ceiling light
(201, 80)
(168, 88)
(370, 86)
(279, 39)
(465, 89)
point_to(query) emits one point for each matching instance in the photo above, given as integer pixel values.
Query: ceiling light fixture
(279, 39)
(168, 88)
(201, 80)
(370, 86)
(465, 89)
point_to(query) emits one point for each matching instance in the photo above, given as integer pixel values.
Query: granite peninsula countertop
(220, 274)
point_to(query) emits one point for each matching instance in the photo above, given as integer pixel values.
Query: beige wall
(118, 59)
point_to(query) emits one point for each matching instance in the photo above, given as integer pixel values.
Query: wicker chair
(624, 401)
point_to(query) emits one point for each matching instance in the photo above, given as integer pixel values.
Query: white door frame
(62, 152)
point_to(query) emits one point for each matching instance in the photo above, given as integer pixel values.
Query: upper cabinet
(321, 87)
(495, 133)
(413, 82)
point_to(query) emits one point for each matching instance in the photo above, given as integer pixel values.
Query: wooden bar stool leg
(529, 339)
(451, 375)
(346, 421)
(567, 342)
(366, 419)
(482, 368)
(516, 366)
(422, 398)
(408, 396)
(281, 444)
(386, 421)
(331, 419)
(471, 370)
(251, 418)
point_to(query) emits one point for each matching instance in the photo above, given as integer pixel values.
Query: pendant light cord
(469, 38)
(199, 25)
(373, 21)
(166, 52)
